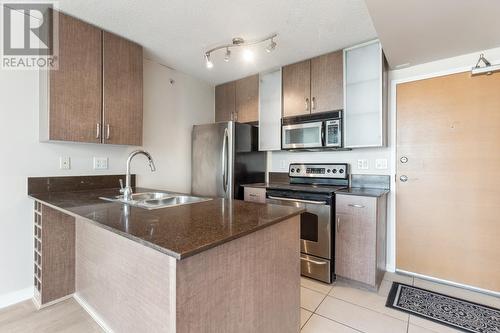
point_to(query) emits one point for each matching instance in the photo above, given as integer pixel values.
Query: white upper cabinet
(270, 111)
(365, 96)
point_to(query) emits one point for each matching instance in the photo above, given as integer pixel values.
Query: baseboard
(92, 313)
(16, 297)
(450, 283)
(40, 306)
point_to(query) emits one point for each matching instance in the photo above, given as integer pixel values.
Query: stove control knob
(341, 170)
(328, 170)
(334, 171)
(298, 170)
(293, 170)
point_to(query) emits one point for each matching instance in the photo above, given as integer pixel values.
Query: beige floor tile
(368, 299)
(431, 325)
(310, 299)
(390, 276)
(359, 317)
(385, 288)
(458, 292)
(318, 324)
(64, 317)
(304, 316)
(315, 285)
(417, 329)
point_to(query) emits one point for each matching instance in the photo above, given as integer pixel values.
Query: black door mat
(447, 310)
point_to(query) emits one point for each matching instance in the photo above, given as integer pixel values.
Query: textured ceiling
(177, 32)
(418, 31)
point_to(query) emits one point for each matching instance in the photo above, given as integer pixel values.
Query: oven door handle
(298, 200)
(314, 261)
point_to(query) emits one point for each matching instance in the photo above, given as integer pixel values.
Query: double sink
(156, 200)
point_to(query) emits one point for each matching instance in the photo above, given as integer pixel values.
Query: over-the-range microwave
(312, 131)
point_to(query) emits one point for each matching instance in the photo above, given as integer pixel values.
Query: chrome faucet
(127, 190)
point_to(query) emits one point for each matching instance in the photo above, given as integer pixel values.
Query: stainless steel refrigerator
(224, 156)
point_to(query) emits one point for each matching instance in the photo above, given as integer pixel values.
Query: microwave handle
(323, 130)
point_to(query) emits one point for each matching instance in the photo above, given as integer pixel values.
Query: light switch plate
(362, 164)
(100, 163)
(381, 163)
(64, 163)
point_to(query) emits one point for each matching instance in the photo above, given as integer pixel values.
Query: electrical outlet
(100, 163)
(362, 164)
(381, 163)
(64, 163)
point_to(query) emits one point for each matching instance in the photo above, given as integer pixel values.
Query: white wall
(169, 114)
(281, 159)
(170, 111)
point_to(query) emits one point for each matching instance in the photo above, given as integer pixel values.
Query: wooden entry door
(448, 210)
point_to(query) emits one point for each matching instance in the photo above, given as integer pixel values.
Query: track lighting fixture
(248, 55)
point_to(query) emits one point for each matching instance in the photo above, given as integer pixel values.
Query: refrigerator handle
(225, 160)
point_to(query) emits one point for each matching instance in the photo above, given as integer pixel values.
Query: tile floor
(344, 308)
(325, 309)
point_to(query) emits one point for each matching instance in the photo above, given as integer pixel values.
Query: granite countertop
(180, 231)
(361, 191)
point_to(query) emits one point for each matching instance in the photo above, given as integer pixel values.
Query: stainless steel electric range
(313, 187)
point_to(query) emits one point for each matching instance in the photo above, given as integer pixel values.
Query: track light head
(270, 48)
(209, 63)
(227, 55)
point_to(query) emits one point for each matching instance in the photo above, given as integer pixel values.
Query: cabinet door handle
(98, 131)
(313, 103)
(356, 206)
(108, 132)
(338, 224)
(307, 104)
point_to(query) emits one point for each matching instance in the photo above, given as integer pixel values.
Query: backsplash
(372, 158)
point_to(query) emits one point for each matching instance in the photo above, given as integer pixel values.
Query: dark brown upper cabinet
(247, 99)
(313, 85)
(225, 101)
(71, 96)
(123, 93)
(238, 100)
(296, 83)
(95, 94)
(327, 87)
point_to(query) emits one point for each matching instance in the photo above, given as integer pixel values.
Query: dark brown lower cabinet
(54, 255)
(360, 241)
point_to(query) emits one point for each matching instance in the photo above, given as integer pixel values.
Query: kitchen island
(214, 266)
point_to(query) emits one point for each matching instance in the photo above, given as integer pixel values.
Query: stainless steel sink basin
(156, 200)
